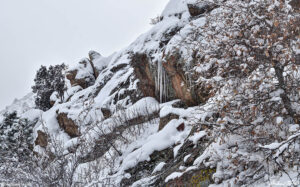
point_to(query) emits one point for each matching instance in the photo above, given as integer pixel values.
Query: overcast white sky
(36, 32)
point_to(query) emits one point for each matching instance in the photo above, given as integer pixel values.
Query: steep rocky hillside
(208, 96)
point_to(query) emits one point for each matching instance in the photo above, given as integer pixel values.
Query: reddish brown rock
(42, 139)
(142, 71)
(86, 81)
(200, 8)
(176, 75)
(180, 127)
(176, 86)
(68, 125)
(71, 75)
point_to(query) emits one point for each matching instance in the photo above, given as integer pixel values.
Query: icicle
(165, 86)
(160, 83)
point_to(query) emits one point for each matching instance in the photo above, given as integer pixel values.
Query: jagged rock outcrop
(93, 56)
(84, 75)
(68, 125)
(71, 75)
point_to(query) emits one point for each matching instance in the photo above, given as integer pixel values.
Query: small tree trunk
(285, 99)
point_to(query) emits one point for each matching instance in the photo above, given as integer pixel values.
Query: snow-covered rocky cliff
(208, 96)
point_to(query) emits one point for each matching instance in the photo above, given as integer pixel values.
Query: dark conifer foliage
(16, 138)
(48, 81)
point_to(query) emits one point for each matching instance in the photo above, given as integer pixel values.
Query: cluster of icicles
(161, 82)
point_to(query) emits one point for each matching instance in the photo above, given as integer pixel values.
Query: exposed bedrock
(165, 83)
(142, 70)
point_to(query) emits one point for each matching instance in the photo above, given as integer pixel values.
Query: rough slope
(167, 110)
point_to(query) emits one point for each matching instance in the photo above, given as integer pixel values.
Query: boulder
(200, 8)
(42, 139)
(68, 125)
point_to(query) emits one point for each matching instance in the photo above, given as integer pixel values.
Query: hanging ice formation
(161, 83)
(188, 75)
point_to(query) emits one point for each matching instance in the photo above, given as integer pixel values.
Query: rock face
(173, 80)
(42, 139)
(179, 83)
(141, 65)
(84, 75)
(71, 75)
(68, 125)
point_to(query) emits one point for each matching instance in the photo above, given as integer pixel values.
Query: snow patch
(197, 136)
(159, 167)
(173, 176)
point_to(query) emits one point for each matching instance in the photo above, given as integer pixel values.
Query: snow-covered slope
(187, 103)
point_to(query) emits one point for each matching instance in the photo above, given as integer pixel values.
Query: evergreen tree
(48, 81)
(8, 131)
(16, 138)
